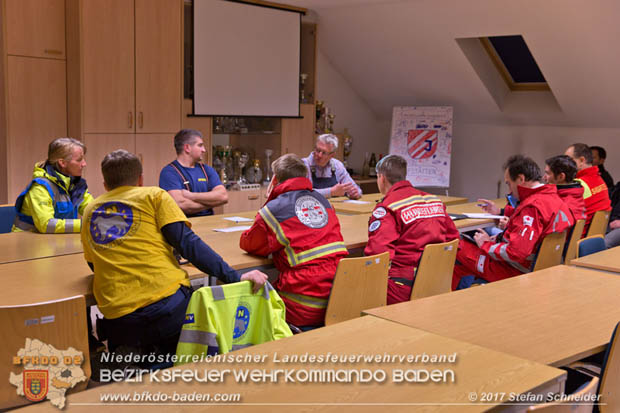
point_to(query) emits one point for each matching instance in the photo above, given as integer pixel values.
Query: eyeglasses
(322, 152)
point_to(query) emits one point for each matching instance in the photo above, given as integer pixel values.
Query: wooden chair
(571, 252)
(598, 226)
(434, 274)
(572, 404)
(590, 245)
(550, 251)
(359, 284)
(61, 324)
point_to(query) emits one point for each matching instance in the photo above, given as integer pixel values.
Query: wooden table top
(554, 316)
(476, 370)
(608, 260)
(22, 246)
(343, 205)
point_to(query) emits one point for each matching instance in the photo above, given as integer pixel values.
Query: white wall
(368, 132)
(479, 151)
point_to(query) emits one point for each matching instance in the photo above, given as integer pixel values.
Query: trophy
(329, 123)
(268, 171)
(347, 144)
(302, 97)
(242, 161)
(254, 174)
(319, 116)
(228, 170)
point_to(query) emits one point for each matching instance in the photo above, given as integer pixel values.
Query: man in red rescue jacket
(403, 223)
(300, 228)
(560, 171)
(595, 193)
(540, 212)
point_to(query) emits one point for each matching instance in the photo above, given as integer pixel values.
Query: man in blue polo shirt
(194, 186)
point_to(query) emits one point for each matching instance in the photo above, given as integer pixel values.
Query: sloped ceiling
(405, 53)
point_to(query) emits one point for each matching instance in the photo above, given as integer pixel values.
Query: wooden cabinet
(36, 115)
(131, 65)
(35, 28)
(108, 88)
(98, 146)
(155, 152)
(241, 201)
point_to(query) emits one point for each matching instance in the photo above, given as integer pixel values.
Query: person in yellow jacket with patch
(51, 202)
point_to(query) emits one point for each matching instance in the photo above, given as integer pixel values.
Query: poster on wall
(423, 136)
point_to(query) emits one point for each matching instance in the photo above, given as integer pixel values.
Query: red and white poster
(423, 136)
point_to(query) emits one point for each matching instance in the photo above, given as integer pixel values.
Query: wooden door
(37, 114)
(36, 28)
(155, 151)
(158, 65)
(298, 134)
(97, 147)
(107, 29)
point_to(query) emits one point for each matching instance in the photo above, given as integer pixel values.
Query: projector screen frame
(258, 3)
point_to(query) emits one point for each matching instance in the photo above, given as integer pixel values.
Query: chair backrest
(571, 252)
(575, 403)
(7, 216)
(550, 251)
(590, 245)
(434, 274)
(359, 284)
(61, 324)
(598, 226)
(610, 375)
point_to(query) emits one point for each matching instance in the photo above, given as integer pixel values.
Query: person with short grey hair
(329, 176)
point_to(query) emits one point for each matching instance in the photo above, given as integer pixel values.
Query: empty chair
(359, 284)
(61, 324)
(590, 245)
(598, 226)
(571, 252)
(7, 216)
(550, 251)
(434, 273)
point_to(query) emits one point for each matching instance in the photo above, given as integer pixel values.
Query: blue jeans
(151, 329)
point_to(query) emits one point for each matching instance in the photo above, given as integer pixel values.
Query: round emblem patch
(110, 222)
(373, 227)
(242, 320)
(310, 212)
(379, 213)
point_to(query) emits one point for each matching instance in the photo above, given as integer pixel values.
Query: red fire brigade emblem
(310, 212)
(35, 384)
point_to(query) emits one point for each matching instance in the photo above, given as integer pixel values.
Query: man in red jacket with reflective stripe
(560, 171)
(595, 192)
(403, 223)
(300, 228)
(540, 212)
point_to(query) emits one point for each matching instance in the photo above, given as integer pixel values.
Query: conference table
(474, 371)
(367, 203)
(553, 316)
(23, 246)
(607, 260)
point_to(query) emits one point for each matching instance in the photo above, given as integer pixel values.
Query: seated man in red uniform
(540, 212)
(560, 171)
(403, 223)
(300, 228)
(595, 193)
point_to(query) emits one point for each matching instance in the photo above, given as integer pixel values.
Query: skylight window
(515, 62)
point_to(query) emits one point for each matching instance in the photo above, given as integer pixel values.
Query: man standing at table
(299, 227)
(540, 212)
(403, 223)
(194, 186)
(329, 177)
(128, 236)
(595, 193)
(560, 171)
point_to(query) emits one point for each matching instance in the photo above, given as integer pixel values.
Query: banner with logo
(423, 136)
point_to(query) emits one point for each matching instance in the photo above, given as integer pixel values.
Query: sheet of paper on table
(482, 215)
(233, 229)
(355, 201)
(238, 219)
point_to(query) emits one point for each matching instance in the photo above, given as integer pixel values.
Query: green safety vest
(229, 317)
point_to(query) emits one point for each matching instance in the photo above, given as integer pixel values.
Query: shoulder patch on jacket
(374, 226)
(528, 220)
(379, 213)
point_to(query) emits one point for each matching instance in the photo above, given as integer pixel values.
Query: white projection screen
(246, 59)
